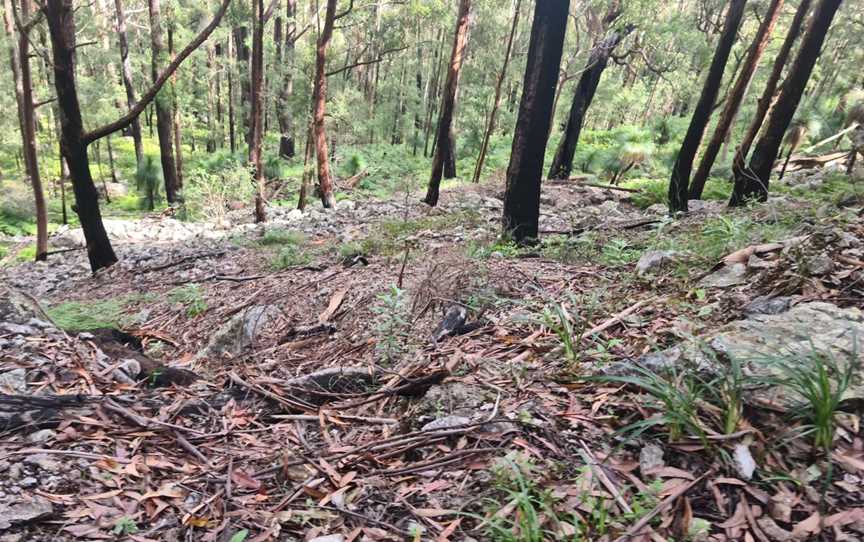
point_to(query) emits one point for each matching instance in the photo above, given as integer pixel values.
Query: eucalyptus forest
(506, 270)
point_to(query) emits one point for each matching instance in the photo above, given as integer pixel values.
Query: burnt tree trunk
(283, 106)
(522, 196)
(232, 115)
(319, 100)
(256, 117)
(753, 182)
(176, 125)
(126, 73)
(562, 164)
(444, 149)
(61, 24)
(679, 189)
(765, 102)
(244, 75)
(164, 116)
(733, 101)
(496, 102)
(74, 140)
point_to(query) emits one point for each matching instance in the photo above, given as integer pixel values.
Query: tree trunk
(244, 75)
(562, 164)
(753, 183)
(765, 102)
(19, 58)
(432, 94)
(319, 99)
(522, 196)
(679, 189)
(126, 73)
(164, 116)
(283, 105)
(232, 115)
(444, 149)
(496, 102)
(733, 101)
(175, 117)
(213, 117)
(256, 117)
(61, 24)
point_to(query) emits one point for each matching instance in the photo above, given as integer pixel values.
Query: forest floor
(389, 371)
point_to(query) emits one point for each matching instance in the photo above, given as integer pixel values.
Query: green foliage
(125, 526)
(148, 179)
(81, 315)
(819, 382)
(291, 256)
(191, 297)
(209, 195)
(282, 237)
(392, 324)
(674, 398)
(569, 321)
(618, 252)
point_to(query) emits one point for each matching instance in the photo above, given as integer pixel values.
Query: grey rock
(17, 329)
(14, 381)
(241, 330)
(329, 538)
(28, 482)
(42, 435)
(768, 305)
(17, 307)
(650, 458)
(446, 422)
(726, 276)
(42, 461)
(820, 265)
(25, 512)
(744, 462)
(654, 259)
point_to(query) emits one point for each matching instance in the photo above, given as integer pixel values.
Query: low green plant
(290, 256)
(568, 320)
(81, 316)
(392, 324)
(282, 237)
(819, 382)
(125, 526)
(191, 297)
(618, 252)
(675, 398)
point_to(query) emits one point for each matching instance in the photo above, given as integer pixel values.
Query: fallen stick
(617, 317)
(612, 187)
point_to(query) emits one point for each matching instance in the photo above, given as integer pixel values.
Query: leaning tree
(74, 139)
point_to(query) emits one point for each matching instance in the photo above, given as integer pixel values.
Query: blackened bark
(126, 72)
(164, 115)
(733, 101)
(283, 105)
(679, 189)
(765, 102)
(444, 153)
(522, 196)
(753, 182)
(244, 75)
(61, 24)
(562, 164)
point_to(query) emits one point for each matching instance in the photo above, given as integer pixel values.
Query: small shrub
(81, 315)
(291, 256)
(282, 237)
(191, 297)
(392, 324)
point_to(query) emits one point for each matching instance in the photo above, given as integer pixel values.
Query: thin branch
(148, 96)
(37, 105)
(346, 12)
(367, 62)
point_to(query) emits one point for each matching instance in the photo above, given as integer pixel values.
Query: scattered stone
(19, 308)
(446, 423)
(329, 538)
(43, 435)
(725, 277)
(241, 331)
(25, 512)
(42, 461)
(650, 459)
(819, 265)
(744, 462)
(14, 381)
(28, 482)
(768, 305)
(653, 260)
